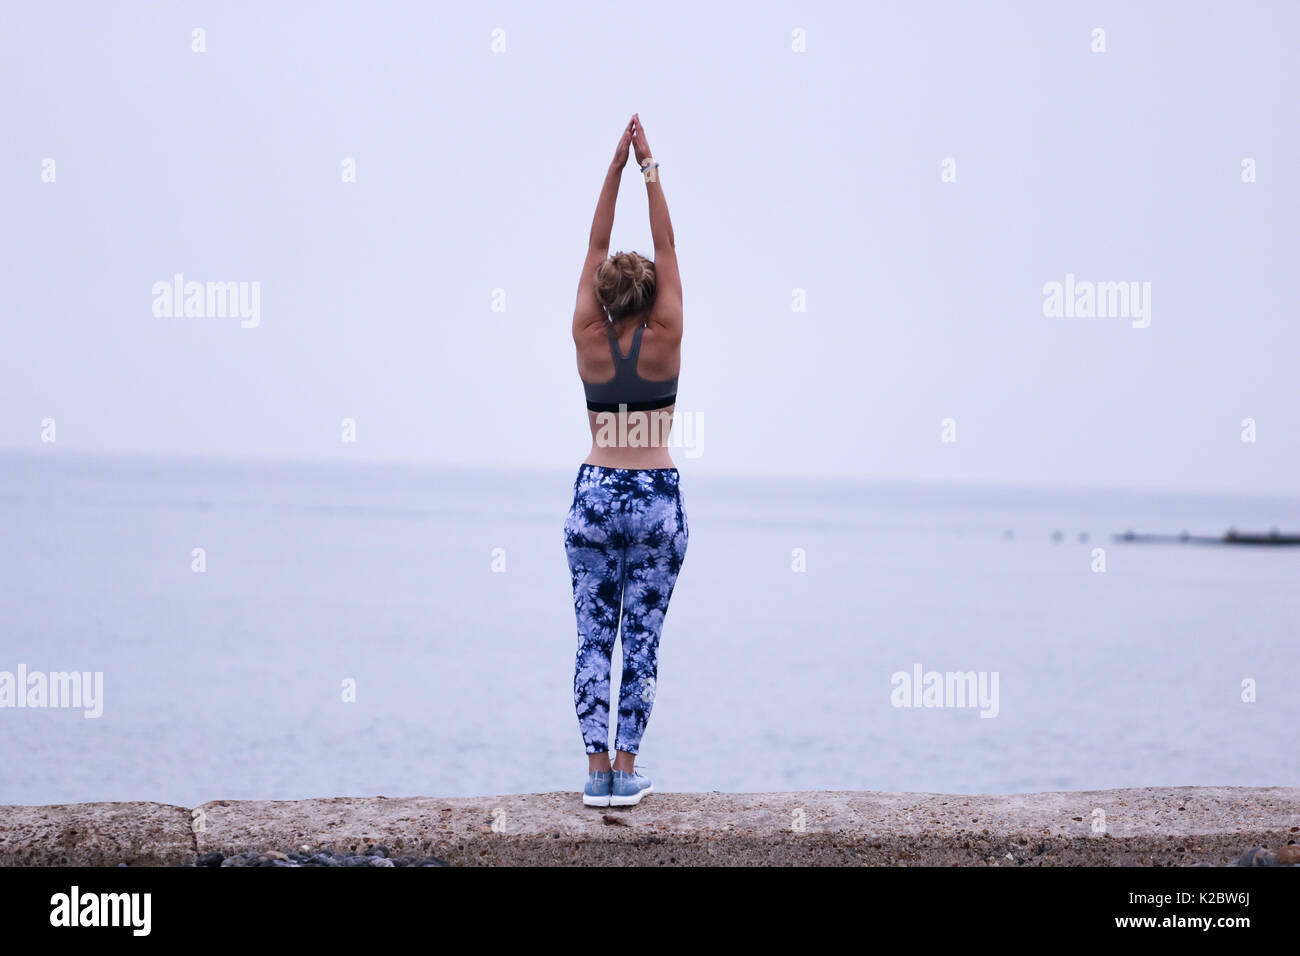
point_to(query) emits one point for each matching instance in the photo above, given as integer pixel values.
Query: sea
(270, 630)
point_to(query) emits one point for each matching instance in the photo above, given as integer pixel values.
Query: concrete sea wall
(1152, 826)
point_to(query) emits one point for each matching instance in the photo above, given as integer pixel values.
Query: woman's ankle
(624, 762)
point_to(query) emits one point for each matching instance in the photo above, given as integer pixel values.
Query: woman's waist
(630, 459)
(613, 471)
(628, 481)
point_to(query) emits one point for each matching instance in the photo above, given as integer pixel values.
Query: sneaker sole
(590, 801)
(630, 801)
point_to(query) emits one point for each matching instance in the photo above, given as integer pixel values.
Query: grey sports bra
(627, 388)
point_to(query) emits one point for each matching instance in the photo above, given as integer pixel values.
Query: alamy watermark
(1085, 299)
(57, 689)
(208, 300)
(653, 429)
(130, 910)
(946, 689)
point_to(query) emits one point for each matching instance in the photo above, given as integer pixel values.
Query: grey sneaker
(629, 788)
(596, 792)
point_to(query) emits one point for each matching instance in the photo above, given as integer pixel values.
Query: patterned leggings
(626, 538)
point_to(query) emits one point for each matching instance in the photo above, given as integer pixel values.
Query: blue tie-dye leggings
(626, 538)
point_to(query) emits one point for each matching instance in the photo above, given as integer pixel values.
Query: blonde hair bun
(625, 284)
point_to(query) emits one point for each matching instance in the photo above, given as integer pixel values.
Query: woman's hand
(638, 139)
(620, 152)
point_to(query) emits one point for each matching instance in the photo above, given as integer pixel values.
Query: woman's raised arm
(667, 312)
(587, 313)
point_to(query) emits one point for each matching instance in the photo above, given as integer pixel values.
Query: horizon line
(435, 464)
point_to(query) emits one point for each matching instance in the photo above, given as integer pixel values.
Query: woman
(626, 532)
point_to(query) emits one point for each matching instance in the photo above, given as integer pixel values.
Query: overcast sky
(818, 171)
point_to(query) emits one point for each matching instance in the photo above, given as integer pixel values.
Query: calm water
(227, 684)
